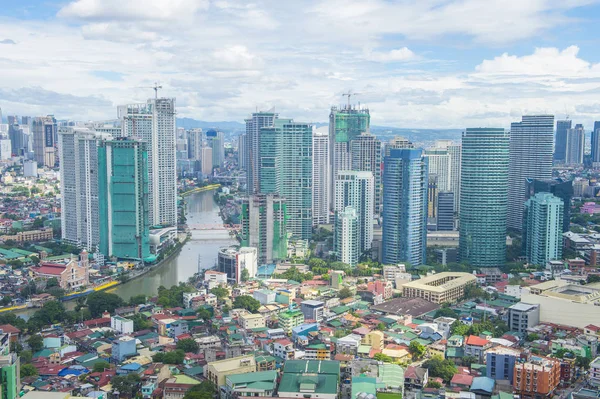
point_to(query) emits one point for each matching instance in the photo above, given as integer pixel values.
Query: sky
(415, 64)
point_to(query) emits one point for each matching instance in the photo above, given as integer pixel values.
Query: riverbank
(200, 189)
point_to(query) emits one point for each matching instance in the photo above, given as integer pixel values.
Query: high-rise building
(254, 124)
(243, 151)
(596, 144)
(539, 377)
(286, 169)
(575, 145)
(5, 147)
(355, 189)
(154, 123)
(206, 163)
(445, 211)
(347, 236)
(484, 196)
(398, 142)
(43, 130)
(542, 228)
(320, 173)
(79, 186)
(560, 142)
(455, 152)
(10, 376)
(195, 143)
(366, 156)
(432, 193)
(344, 125)
(557, 187)
(216, 141)
(439, 163)
(123, 189)
(264, 226)
(405, 207)
(530, 158)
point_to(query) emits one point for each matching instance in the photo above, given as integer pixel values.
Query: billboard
(49, 135)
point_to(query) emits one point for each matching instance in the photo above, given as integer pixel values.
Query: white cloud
(401, 54)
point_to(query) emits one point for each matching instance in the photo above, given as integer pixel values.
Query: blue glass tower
(405, 179)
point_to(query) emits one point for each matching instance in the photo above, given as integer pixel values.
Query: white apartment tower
(455, 152)
(79, 185)
(365, 152)
(321, 175)
(356, 189)
(347, 237)
(154, 123)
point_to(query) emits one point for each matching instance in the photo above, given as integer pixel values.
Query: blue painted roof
(483, 384)
(131, 367)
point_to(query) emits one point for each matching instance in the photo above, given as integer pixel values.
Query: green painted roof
(317, 346)
(197, 370)
(184, 379)
(364, 349)
(335, 323)
(86, 357)
(312, 366)
(340, 309)
(317, 383)
(391, 375)
(248, 378)
(454, 352)
(362, 384)
(43, 353)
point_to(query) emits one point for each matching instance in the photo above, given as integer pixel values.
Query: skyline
(435, 64)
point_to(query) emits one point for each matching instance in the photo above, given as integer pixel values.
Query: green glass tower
(9, 369)
(264, 226)
(123, 208)
(484, 196)
(542, 228)
(285, 168)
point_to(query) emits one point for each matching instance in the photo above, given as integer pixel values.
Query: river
(201, 209)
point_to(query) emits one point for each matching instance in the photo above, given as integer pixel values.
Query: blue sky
(431, 63)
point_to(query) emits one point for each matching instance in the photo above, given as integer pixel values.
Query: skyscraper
(195, 139)
(355, 189)
(285, 168)
(123, 190)
(596, 144)
(216, 141)
(542, 228)
(264, 226)
(484, 196)
(254, 124)
(366, 156)
(432, 193)
(560, 143)
(321, 175)
(347, 236)
(455, 152)
(439, 162)
(154, 123)
(445, 211)
(79, 186)
(243, 151)
(575, 145)
(43, 130)
(405, 207)
(557, 187)
(344, 125)
(530, 158)
(10, 376)
(398, 142)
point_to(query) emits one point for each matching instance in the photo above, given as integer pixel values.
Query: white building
(121, 324)
(356, 189)
(215, 277)
(595, 372)
(346, 236)
(5, 148)
(440, 165)
(250, 321)
(455, 152)
(30, 169)
(513, 290)
(365, 152)
(320, 170)
(79, 185)
(154, 122)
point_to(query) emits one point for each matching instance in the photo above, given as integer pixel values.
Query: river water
(201, 249)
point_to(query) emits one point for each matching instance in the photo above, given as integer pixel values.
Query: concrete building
(356, 189)
(43, 130)
(455, 152)
(595, 372)
(531, 144)
(121, 324)
(123, 190)
(216, 141)
(243, 151)
(30, 169)
(542, 228)
(366, 156)
(522, 316)
(122, 348)
(154, 123)
(309, 378)
(265, 297)
(236, 261)
(254, 124)
(405, 207)
(560, 142)
(575, 145)
(557, 187)
(264, 226)
(250, 321)
(321, 188)
(289, 319)
(215, 277)
(71, 275)
(536, 378)
(440, 287)
(206, 161)
(445, 211)
(313, 310)
(259, 384)
(500, 363)
(217, 372)
(346, 240)
(10, 375)
(484, 196)
(5, 147)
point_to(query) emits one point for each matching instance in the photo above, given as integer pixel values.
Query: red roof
(462, 379)
(97, 322)
(589, 327)
(8, 329)
(79, 334)
(476, 341)
(50, 268)
(284, 341)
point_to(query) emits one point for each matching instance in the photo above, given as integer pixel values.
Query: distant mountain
(226, 126)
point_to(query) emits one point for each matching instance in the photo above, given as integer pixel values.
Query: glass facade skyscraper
(530, 158)
(484, 196)
(559, 188)
(542, 228)
(560, 142)
(405, 180)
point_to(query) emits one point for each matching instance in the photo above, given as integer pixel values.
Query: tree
(188, 345)
(380, 357)
(593, 278)
(583, 362)
(99, 302)
(16, 347)
(28, 370)
(140, 323)
(173, 357)
(380, 326)
(56, 292)
(246, 302)
(205, 390)
(36, 343)
(344, 293)
(127, 386)
(433, 384)
(416, 349)
(445, 311)
(26, 357)
(204, 313)
(52, 282)
(220, 292)
(532, 337)
(468, 360)
(137, 300)
(442, 368)
(245, 275)
(101, 366)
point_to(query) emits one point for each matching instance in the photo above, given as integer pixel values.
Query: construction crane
(349, 94)
(155, 88)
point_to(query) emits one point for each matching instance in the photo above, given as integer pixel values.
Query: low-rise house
(250, 321)
(416, 377)
(258, 384)
(283, 348)
(217, 371)
(349, 344)
(476, 346)
(310, 379)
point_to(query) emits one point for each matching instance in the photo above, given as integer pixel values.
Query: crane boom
(349, 94)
